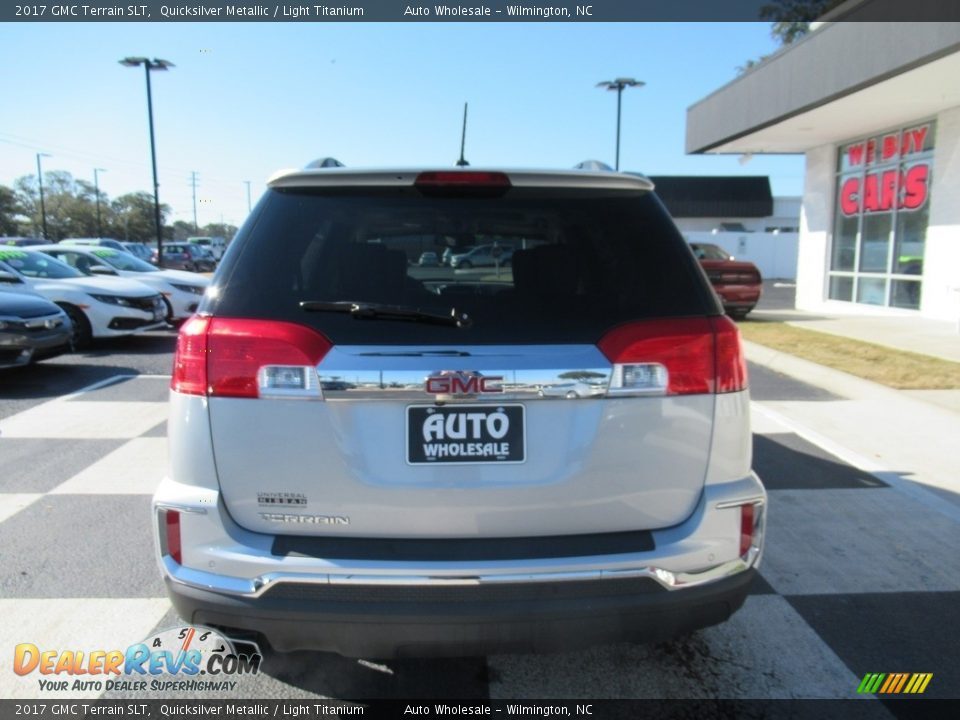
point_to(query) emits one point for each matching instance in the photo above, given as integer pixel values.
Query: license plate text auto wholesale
(461, 434)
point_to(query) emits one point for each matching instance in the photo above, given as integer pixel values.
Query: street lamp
(619, 84)
(43, 208)
(96, 189)
(149, 65)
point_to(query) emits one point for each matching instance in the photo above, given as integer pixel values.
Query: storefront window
(880, 223)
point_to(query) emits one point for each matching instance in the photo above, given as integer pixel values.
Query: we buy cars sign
(880, 190)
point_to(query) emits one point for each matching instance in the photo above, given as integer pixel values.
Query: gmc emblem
(448, 382)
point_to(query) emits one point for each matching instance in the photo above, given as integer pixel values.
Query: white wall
(941, 264)
(815, 227)
(775, 255)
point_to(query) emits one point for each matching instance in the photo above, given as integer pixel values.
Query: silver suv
(379, 458)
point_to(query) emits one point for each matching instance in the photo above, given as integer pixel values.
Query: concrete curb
(904, 441)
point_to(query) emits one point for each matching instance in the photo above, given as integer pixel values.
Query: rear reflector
(677, 356)
(228, 357)
(172, 535)
(746, 528)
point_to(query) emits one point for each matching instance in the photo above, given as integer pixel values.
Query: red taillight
(462, 178)
(746, 528)
(222, 357)
(190, 362)
(683, 346)
(701, 355)
(172, 523)
(731, 362)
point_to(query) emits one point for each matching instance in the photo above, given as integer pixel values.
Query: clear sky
(245, 100)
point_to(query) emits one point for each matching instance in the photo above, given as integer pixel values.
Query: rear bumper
(738, 296)
(693, 576)
(396, 623)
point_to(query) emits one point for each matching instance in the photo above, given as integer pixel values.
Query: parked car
(97, 307)
(483, 256)
(186, 256)
(441, 506)
(138, 250)
(31, 329)
(738, 283)
(102, 242)
(428, 259)
(216, 245)
(572, 390)
(22, 241)
(181, 291)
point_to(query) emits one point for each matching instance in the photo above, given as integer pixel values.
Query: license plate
(465, 434)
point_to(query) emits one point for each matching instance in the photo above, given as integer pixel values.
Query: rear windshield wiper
(376, 311)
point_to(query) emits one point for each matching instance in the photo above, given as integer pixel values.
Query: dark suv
(377, 457)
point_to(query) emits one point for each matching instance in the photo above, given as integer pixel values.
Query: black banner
(477, 11)
(864, 709)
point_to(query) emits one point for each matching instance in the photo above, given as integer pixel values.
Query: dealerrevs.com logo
(180, 659)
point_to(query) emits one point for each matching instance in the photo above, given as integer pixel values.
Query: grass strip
(894, 368)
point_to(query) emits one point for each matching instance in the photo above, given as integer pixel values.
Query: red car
(738, 283)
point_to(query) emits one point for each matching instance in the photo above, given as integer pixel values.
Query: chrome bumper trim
(258, 586)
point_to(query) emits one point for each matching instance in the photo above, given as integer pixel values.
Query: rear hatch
(568, 389)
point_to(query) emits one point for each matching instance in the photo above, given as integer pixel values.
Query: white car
(216, 245)
(97, 307)
(181, 290)
(571, 390)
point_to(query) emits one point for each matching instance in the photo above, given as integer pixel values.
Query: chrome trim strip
(758, 500)
(180, 507)
(541, 372)
(258, 586)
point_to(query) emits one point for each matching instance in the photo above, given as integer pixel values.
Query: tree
(224, 230)
(11, 212)
(792, 18)
(182, 230)
(791, 21)
(131, 217)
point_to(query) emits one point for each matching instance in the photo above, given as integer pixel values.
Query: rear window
(529, 267)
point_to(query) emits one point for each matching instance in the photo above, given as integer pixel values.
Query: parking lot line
(913, 490)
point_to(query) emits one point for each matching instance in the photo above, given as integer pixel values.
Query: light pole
(43, 208)
(619, 84)
(149, 65)
(96, 189)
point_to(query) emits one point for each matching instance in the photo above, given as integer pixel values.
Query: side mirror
(9, 277)
(102, 270)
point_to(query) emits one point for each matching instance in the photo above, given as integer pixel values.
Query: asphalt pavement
(858, 577)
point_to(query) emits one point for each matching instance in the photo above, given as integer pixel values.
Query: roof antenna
(462, 162)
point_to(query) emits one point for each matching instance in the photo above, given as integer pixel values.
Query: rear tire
(738, 314)
(82, 334)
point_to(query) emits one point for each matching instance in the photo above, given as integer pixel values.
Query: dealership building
(875, 109)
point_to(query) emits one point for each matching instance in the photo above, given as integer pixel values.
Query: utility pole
(96, 189)
(148, 65)
(618, 85)
(43, 207)
(462, 162)
(193, 184)
(248, 195)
